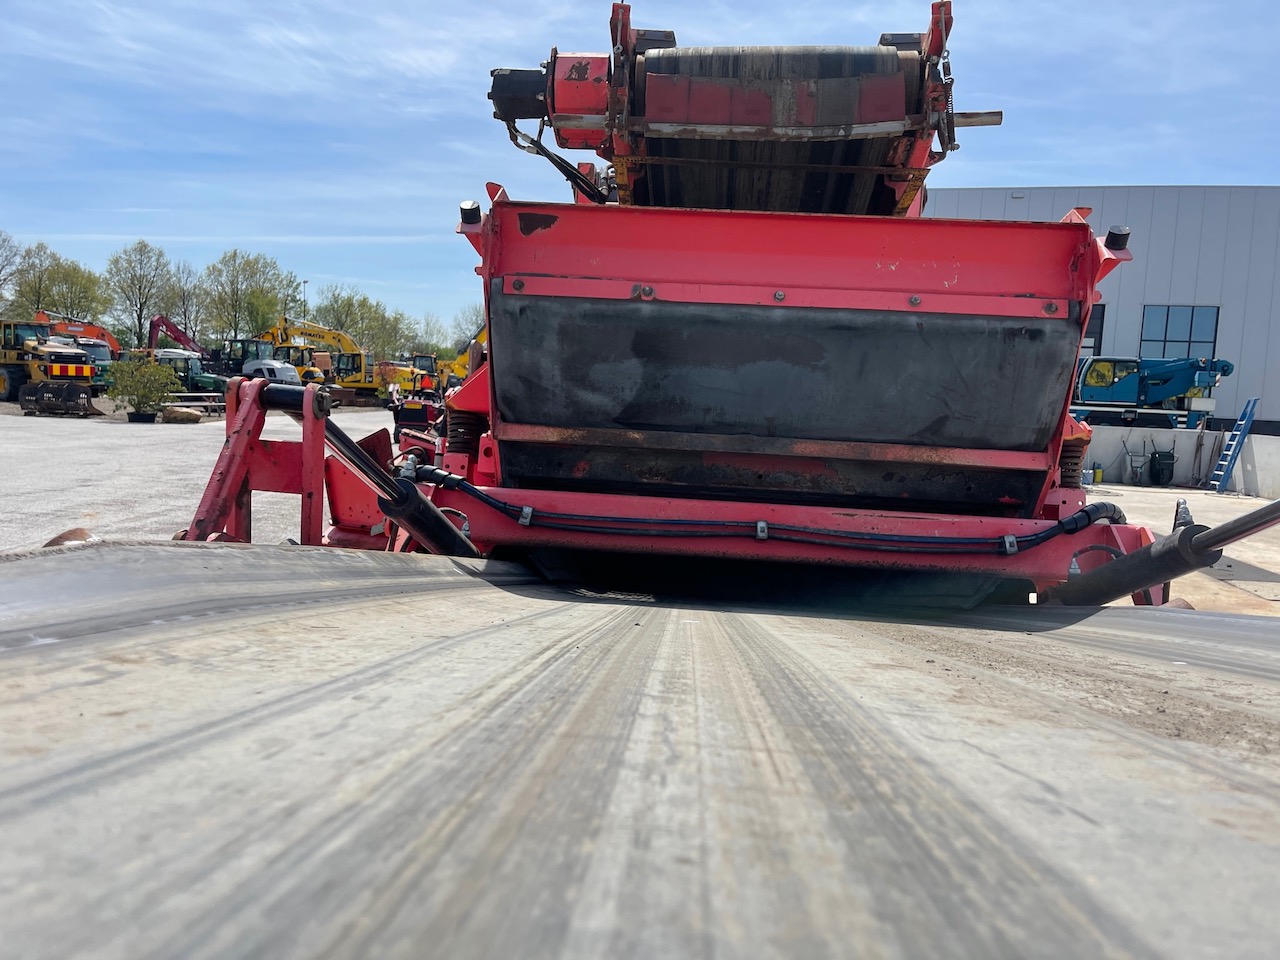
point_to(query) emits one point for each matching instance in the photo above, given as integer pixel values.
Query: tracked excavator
(737, 355)
(349, 366)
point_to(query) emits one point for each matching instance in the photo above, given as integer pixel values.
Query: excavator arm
(162, 324)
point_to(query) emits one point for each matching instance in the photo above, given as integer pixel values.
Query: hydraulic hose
(401, 500)
(755, 530)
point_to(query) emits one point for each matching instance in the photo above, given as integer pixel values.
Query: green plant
(143, 385)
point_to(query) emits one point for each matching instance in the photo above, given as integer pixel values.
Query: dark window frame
(1178, 331)
(1093, 331)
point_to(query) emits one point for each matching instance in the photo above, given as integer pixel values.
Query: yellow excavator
(451, 373)
(344, 363)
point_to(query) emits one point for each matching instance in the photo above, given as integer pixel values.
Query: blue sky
(339, 138)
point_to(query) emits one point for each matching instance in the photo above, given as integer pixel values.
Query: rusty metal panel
(773, 105)
(881, 97)
(789, 480)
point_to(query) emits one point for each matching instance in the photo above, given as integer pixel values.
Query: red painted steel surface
(608, 289)
(248, 462)
(163, 325)
(1019, 264)
(1044, 564)
(966, 268)
(897, 265)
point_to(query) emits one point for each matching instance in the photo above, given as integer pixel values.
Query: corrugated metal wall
(1195, 246)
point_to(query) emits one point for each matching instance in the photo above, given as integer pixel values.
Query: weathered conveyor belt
(228, 751)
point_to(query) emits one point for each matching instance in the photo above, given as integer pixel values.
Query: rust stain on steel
(531, 223)
(776, 446)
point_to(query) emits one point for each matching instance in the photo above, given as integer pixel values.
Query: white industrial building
(1204, 281)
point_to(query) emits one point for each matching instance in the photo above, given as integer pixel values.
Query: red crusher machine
(741, 340)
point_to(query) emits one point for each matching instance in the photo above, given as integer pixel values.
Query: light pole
(304, 298)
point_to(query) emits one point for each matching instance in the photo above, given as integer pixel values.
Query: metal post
(314, 417)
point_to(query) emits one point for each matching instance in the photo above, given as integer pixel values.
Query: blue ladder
(1221, 478)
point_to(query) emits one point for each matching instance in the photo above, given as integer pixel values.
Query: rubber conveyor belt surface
(808, 176)
(230, 751)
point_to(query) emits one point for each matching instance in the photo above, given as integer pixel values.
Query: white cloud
(250, 240)
(349, 132)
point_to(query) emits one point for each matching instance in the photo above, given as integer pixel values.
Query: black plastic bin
(1160, 468)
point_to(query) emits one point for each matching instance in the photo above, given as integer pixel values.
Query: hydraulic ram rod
(1183, 551)
(401, 500)
(1252, 522)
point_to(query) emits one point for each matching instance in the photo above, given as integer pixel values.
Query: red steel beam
(841, 260)
(1048, 563)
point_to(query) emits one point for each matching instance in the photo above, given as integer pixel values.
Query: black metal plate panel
(690, 474)
(801, 373)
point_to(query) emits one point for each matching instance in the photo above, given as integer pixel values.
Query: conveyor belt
(807, 176)
(204, 755)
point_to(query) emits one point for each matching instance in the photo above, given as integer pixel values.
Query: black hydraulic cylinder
(360, 461)
(1167, 558)
(290, 398)
(424, 521)
(400, 500)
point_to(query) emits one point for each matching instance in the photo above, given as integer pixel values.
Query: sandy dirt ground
(231, 751)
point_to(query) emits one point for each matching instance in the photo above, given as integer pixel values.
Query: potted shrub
(142, 385)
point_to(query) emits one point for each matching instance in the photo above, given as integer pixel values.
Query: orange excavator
(84, 330)
(94, 339)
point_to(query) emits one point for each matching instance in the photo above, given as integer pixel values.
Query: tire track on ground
(973, 888)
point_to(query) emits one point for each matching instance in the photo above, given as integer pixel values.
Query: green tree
(43, 280)
(187, 298)
(429, 335)
(291, 301)
(76, 291)
(465, 324)
(138, 279)
(384, 334)
(245, 293)
(30, 282)
(338, 307)
(389, 333)
(10, 257)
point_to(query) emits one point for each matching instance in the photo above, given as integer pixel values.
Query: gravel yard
(128, 480)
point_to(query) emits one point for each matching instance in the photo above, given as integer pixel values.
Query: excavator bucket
(58, 398)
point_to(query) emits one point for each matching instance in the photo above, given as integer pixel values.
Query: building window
(1175, 332)
(1091, 346)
